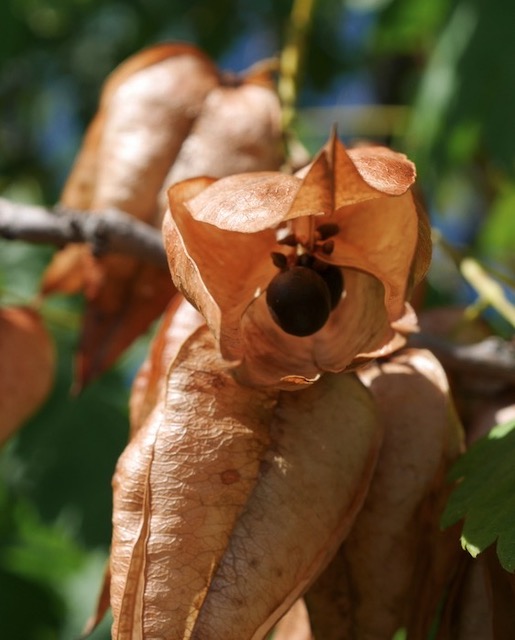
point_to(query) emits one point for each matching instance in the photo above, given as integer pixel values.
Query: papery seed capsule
(299, 301)
(333, 277)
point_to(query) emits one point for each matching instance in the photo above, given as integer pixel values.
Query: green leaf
(439, 85)
(28, 609)
(485, 495)
(466, 95)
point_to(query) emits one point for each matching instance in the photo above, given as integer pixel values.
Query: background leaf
(485, 496)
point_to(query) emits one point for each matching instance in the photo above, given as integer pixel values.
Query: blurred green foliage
(485, 497)
(438, 80)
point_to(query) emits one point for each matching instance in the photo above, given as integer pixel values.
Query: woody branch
(110, 231)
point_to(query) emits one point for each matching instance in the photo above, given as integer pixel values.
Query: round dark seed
(299, 301)
(333, 277)
(327, 230)
(279, 260)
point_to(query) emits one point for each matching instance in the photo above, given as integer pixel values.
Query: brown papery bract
(165, 114)
(230, 500)
(147, 108)
(381, 242)
(179, 321)
(237, 130)
(396, 564)
(27, 367)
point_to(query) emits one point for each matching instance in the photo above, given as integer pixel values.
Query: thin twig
(488, 289)
(490, 358)
(110, 231)
(490, 293)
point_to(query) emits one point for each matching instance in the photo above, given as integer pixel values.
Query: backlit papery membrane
(219, 236)
(358, 330)
(220, 271)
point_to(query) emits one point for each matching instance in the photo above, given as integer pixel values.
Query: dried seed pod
(27, 367)
(393, 568)
(163, 117)
(217, 489)
(377, 236)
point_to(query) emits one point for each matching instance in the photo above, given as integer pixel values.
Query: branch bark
(110, 231)
(490, 358)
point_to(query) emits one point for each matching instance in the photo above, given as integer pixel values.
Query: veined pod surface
(396, 563)
(164, 115)
(230, 500)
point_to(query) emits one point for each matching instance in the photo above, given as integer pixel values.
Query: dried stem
(490, 358)
(488, 289)
(490, 293)
(110, 231)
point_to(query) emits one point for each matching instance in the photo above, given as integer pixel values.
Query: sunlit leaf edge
(479, 478)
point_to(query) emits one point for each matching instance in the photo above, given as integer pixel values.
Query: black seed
(333, 277)
(328, 247)
(279, 260)
(327, 230)
(305, 260)
(299, 301)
